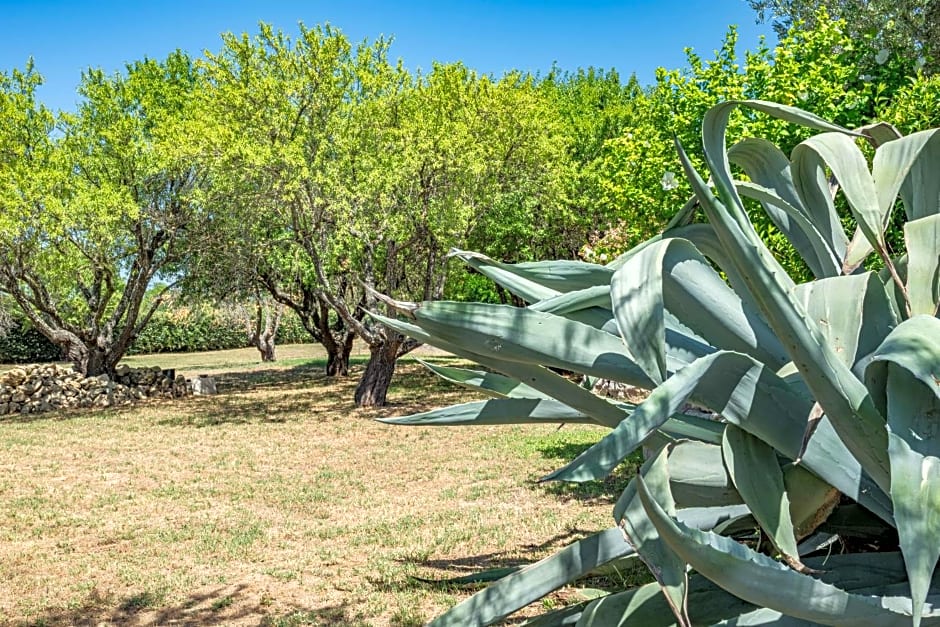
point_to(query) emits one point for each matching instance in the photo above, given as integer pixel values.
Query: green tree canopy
(98, 204)
(909, 29)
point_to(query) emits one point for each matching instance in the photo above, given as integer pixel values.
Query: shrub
(20, 343)
(202, 326)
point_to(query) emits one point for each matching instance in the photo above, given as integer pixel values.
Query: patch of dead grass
(276, 502)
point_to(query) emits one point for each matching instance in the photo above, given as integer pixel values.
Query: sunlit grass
(276, 502)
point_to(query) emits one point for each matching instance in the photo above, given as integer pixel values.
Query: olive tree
(94, 206)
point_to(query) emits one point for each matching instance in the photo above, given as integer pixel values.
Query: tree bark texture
(373, 386)
(267, 321)
(337, 355)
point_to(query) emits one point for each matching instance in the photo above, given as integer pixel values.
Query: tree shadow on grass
(300, 376)
(220, 606)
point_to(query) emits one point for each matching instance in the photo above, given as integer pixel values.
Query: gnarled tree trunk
(384, 352)
(372, 389)
(267, 321)
(337, 354)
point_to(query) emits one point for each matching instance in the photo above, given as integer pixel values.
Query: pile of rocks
(39, 388)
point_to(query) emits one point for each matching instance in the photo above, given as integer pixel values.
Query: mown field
(275, 502)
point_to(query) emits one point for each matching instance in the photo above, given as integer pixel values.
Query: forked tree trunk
(373, 386)
(267, 349)
(90, 361)
(337, 354)
(267, 321)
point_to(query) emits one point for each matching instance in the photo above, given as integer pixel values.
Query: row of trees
(321, 174)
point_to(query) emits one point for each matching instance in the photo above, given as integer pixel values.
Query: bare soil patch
(274, 503)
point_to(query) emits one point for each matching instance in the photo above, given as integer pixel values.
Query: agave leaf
(749, 395)
(662, 402)
(505, 275)
(674, 276)
(565, 617)
(666, 567)
(839, 152)
(502, 411)
(517, 590)
(879, 133)
(537, 280)
(639, 606)
(705, 239)
(753, 466)
(910, 357)
(801, 233)
(708, 605)
(923, 266)
(762, 581)
(576, 301)
(486, 576)
(590, 306)
(843, 397)
(913, 346)
(712, 518)
(537, 377)
(909, 164)
(693, 427)
(698, 478)
(565, 275)
(853, 313)
(639, 311)
(772, 184)
(524, 335)
(714, 124)
(489, 383)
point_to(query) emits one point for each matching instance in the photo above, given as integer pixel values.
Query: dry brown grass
(275, 502)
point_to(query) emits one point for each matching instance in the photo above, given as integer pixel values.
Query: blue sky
(65, 37)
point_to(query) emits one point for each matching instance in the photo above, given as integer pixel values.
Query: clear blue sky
(66, 36)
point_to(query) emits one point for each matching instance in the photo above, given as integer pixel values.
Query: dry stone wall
(40, 388)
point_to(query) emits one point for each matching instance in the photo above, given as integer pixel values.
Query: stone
(41, 388)
(204, 385)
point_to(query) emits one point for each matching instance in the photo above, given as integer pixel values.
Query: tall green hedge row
(174, 329)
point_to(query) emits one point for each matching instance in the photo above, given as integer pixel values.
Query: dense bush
(179, 328)
(816, 69)
(21, 344)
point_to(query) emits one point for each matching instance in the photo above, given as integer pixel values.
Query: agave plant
(826, 394)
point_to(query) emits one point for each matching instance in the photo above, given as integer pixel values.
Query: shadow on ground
(474, 564)
(606, 490)
(222, 606)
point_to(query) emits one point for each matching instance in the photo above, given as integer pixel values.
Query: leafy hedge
(206, 327)
(22, 344)
(173, 329)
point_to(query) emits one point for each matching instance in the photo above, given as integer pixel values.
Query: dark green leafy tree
(906, 29)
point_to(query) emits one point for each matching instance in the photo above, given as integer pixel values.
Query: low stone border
(40, 388)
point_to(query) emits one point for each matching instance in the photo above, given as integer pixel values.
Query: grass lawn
(275, 502)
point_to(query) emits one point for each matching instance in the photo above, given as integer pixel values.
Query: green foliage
(817, 69)
(905, 29)
(96, 205)
(825, 394)
(20, 343)
(205, 326)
